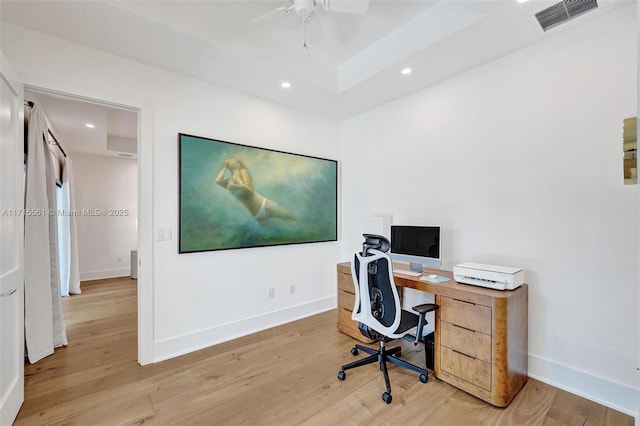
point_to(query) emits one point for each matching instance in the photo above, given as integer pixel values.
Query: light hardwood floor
(282, 376)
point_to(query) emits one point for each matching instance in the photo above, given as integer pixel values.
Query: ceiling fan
(305, 10)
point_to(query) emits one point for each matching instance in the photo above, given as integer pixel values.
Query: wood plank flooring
(282, 376)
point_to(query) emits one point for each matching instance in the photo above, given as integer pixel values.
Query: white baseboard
(170, 348)
(617, 396)
(106, 273)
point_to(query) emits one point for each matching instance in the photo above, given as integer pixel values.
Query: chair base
(382, 356)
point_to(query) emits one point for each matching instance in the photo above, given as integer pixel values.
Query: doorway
(95, 147)
(141, 215)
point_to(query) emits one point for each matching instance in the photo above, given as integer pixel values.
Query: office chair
(378, 312)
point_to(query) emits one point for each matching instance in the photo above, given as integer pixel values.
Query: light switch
(164, 234)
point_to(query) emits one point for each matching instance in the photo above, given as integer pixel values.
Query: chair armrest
(422, 311)
(427, 307)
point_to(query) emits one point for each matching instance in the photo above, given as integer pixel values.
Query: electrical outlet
(119, 259)
(292, 288)
(272, 293)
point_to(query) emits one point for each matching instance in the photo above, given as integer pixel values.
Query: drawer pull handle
(9, 293)
(463, 328)
(465, 302)
(463, 354)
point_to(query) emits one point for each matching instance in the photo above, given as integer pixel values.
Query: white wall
(520, 162)
(202, 298)
(105, 242)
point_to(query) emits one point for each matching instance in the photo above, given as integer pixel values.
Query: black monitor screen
(421, 241)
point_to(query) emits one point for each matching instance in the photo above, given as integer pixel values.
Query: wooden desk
(480, 334)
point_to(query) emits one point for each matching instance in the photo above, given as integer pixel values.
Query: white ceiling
(354, 68)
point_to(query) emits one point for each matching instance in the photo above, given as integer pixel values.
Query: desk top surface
(447, 288)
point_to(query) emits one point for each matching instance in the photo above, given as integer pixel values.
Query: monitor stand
(415, 267)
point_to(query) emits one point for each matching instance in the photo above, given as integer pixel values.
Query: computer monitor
(418, 245)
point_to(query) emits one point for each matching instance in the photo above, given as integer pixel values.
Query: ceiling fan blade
(265, 17)
(357, 7)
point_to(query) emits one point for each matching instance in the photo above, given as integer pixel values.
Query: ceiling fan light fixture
(303, 8)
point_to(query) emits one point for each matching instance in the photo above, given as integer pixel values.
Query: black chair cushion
(408, 320)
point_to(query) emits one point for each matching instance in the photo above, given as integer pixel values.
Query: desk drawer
(469, 369)
(350, 327)
(466, 315)
(468, 342)
(344, 318)
(345, 283)
(346, 300)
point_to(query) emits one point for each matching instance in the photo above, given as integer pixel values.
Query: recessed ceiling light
(285, 84)
(406, 71)
(522, 1)
(89, 125)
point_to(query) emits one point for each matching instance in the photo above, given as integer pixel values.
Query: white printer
(490, 276)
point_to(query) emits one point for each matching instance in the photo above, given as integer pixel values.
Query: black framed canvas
(235, 196)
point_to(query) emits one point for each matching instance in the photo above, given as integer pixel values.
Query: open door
(11, 244)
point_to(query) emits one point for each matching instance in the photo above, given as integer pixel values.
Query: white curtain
(44, 322)
(67, 234)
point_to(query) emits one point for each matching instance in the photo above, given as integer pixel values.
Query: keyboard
(405, 272)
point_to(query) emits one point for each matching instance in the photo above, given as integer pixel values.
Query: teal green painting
(238, 196)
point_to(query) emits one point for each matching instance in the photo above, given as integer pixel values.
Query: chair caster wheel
(424, 378)
(342, 375)
(354, 351)
(386, 397)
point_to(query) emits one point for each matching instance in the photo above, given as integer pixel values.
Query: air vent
(563, 12)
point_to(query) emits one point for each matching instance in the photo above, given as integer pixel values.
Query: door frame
(144, 108)
(12, 397)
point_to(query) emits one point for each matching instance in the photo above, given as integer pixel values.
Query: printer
(490, 276)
